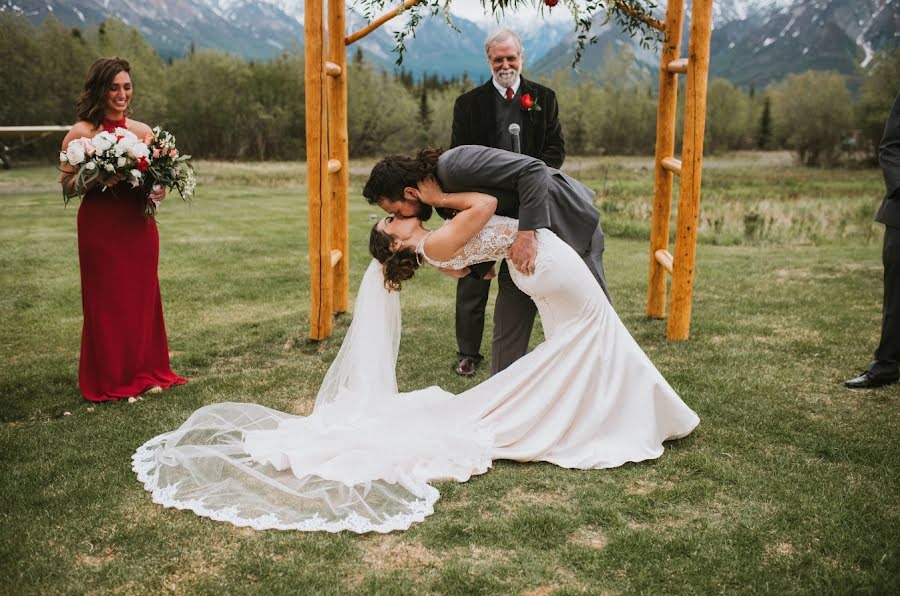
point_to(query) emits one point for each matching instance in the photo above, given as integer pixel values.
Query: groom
(526, 189)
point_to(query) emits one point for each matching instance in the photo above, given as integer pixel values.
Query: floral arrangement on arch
(148, 163)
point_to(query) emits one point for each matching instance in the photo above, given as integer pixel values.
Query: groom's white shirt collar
(502, 90)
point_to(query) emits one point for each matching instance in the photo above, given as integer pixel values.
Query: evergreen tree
(764, 138)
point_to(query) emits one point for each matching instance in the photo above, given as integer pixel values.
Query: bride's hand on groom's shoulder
(430, 192)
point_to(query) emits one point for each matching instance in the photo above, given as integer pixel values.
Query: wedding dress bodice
(490, 244)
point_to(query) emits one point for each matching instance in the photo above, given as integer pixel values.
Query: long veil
(360, 462)
(367, 359)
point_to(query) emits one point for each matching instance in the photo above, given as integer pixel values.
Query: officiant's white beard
(506, 77)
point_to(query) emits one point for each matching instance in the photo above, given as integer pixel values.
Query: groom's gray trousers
(514, 311)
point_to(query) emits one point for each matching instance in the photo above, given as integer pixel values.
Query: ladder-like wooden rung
(672, 164)
(334, 166)
(664, 258)
(332, 69)
(336, 256)
(679, 66)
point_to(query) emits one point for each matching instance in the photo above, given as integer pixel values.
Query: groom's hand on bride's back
(523, 251)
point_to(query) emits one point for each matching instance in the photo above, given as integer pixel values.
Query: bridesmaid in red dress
(124, 350)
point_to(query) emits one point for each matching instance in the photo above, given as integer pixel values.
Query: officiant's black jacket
(889, 159)
(475, 122)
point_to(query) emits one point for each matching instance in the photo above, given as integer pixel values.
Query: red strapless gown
(124, 350)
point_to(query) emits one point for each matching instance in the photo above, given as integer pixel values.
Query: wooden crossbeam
(379, 22)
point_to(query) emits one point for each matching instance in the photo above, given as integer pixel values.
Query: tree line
(223, 107)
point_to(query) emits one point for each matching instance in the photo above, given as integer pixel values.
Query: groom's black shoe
(465, 366)
(869, 381)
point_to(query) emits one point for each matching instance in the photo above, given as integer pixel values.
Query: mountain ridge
(754, 42)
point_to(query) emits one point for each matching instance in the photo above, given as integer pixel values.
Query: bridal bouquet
(146, 163)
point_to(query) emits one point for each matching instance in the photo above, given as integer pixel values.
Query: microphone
(514, 131)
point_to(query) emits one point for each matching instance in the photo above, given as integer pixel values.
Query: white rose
(75, 152)
(124, 145)
(135, 174)
(102, 142)
(62, 156)
(139, 150)
(121, 162)
(90, 166)
(109, 167)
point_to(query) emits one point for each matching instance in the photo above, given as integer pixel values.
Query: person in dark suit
(885, 370)
(526, 189)
(483, 116)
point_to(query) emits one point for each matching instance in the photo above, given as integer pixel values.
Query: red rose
(527, 102)
(551, 3)
(143, 164)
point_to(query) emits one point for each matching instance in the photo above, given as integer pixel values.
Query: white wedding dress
(587, 397)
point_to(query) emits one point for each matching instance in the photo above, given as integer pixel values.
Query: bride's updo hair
(398, 266)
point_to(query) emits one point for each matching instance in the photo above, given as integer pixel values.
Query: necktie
(509, 94)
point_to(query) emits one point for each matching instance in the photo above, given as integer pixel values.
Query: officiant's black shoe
(869, 381)
(465, 366)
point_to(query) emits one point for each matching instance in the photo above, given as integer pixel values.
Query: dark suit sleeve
(461, 132)
(889, 151)
(889, 159)
(499, 172)
(554, 150)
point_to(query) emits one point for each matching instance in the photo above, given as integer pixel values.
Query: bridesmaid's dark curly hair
(398, 266)
(92, 103)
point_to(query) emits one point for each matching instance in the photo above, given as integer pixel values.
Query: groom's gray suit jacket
(527, 189)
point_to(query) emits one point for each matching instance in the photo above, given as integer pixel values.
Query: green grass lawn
(791, 484)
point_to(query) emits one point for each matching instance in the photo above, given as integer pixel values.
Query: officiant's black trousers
(888, 353)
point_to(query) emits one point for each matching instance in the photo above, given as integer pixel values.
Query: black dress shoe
(465, 366)
(869, 381)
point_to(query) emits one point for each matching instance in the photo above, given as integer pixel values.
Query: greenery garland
(634, 17)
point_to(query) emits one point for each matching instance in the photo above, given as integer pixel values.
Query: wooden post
(679, 323)
(321, 312)
(340, 151)
(665, 148)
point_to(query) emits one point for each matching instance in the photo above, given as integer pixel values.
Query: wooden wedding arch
(328, 155)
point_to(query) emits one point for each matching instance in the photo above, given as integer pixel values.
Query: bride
(587, 397)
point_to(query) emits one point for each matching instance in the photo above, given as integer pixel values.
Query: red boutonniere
(529, 103)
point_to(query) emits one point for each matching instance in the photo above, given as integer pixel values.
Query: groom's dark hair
(395, 172)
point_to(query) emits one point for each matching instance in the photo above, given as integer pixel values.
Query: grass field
(790, 485)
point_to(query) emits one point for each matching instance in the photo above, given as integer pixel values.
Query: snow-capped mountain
(840, 35)
(753, 41)
(757, 42)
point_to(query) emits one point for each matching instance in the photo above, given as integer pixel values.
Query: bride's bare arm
(473, 209)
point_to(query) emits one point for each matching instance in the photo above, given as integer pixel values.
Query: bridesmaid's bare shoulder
(138, 127)
(80, 129)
